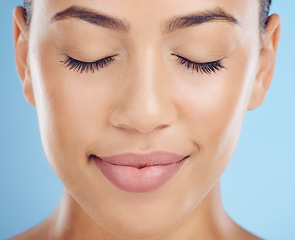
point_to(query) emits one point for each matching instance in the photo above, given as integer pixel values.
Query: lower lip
(132, 179)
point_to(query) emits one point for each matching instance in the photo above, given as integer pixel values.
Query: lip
(133, 172)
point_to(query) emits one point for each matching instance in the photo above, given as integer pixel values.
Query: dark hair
(28, 11)
(265, 5)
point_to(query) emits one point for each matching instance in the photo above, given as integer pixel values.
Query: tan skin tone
(143, 101)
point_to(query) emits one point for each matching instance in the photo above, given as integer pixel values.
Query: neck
(207, 221)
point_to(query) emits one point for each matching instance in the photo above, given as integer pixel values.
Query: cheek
(72, 108)
(213, 108)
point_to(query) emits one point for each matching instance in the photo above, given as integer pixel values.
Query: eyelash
(81, 67)
(207, 67)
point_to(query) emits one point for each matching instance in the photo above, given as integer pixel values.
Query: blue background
(258, 188)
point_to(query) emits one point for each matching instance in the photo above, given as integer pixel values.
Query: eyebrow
(176, 23)
(214, 15)
(92, 17)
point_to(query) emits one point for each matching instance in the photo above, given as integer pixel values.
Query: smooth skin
(143, 101)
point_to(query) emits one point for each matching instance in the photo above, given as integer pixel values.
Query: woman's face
(145, 96)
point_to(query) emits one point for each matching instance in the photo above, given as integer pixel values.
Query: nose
(145, 105)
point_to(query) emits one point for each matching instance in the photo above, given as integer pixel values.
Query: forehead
(150, 12)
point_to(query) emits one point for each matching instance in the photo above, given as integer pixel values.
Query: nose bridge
(146, 103)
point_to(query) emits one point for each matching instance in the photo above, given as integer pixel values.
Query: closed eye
(81, 67)
(206, 67)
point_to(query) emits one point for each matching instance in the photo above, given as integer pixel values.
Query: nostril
(162, 126)
(125, 127)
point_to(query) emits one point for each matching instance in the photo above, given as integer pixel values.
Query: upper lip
(142, 160)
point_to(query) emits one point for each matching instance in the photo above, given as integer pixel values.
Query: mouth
(139, 172)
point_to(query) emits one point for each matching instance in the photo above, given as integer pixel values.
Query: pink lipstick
(140, 172)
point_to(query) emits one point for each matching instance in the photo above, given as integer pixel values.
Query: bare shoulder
(24, 236)
(248, 236)
(40, 231)
(242, 234)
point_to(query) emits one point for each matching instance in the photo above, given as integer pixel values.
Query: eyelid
(200, 67)
(81, 67)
